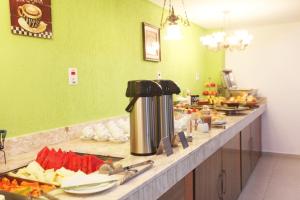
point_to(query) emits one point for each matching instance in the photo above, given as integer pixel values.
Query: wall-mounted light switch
(73, 76)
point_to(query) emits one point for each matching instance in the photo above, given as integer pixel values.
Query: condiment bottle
(190, 123)
(206, 116)
(194, 119)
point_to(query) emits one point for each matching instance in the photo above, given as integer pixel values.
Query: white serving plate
(93, 189)
(219, 122)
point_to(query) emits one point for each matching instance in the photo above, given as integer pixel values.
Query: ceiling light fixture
(173, 31)
(235, 40)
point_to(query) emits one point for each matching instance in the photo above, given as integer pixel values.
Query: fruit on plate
(212, 84)
(35, 172)
(251, 99)
(219, 100)
(242, 99)
(231, 102)
(30, 189)
(205, 93)
(52, 159)
(251, 102)
(213, 93)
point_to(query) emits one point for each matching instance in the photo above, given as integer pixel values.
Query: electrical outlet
(158, 75)
(197, 76)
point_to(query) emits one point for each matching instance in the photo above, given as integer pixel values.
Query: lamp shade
(173, 32)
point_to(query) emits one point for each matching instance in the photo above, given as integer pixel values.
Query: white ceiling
(209, 13)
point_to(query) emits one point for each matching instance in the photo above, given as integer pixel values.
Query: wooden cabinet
(250, 149)
(218, 178)
(183, 190)
(208, 178)
(256, 141)
(231, 169)
(246, 163)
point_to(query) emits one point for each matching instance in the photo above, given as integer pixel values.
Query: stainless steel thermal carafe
(143, 116)
(165, 108)
(143, 126)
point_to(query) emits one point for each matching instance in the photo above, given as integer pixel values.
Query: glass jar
(206, 116)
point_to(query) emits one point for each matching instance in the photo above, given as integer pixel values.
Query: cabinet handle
(224, 181)
(220, 187)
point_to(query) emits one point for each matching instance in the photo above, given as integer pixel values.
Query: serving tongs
(2, 140)
(131, 172)
(131, 167)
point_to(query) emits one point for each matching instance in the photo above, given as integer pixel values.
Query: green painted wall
(103, 40)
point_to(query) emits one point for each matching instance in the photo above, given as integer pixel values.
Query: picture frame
(31, 18)
(151, 42)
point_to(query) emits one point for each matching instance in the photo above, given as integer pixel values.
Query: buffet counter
(166, 172)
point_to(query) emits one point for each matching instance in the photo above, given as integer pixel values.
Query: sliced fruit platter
(23, 187)
(52, 166)
(50, 170)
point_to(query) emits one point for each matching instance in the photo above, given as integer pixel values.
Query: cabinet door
(246, 166)
(183, 190)
(208, 178)
(256, 141)
(231, 169)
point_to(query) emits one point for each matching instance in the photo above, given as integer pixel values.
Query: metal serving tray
(14, 196)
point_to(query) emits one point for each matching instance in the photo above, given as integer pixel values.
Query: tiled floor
(274, 178)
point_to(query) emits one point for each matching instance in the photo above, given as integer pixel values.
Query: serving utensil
(130, 174)
(130, 167)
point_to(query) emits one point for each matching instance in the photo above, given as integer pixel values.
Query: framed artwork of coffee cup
(31, 18)
(151, 42)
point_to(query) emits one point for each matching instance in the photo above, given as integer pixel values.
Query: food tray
(105, 158)
(16, 196)
(231, 110)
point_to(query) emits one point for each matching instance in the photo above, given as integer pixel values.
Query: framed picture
(151, 41)
(31, 18)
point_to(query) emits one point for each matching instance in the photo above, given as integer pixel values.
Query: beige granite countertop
(166, 171)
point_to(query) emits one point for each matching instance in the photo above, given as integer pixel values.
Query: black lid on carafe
(143, 88)
(168, 87)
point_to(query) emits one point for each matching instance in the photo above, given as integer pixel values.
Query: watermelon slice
(42, 155)
(52, 159)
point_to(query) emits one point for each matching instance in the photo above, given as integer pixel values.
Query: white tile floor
(274, 178)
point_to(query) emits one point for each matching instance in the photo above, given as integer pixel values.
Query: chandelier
(172, 21)
(234, 40)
